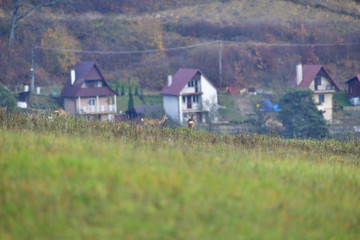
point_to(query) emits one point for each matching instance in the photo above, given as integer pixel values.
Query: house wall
(325, 84)
(210, 94)
(354, 89)
(194, 105)
(69, 105)
(171, 106)
(187, 89)
(104, 106)
(326, 106)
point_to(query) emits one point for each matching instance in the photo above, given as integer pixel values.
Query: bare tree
(21, 8)
(211, 106)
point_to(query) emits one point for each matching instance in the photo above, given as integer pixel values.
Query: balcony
(94, 110)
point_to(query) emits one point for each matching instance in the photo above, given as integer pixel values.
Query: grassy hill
(72, 179)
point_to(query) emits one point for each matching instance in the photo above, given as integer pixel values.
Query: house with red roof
(354, 90)
(189, 92)
(318, 80)
(87, 94)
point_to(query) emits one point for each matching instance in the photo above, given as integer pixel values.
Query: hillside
(266, 28)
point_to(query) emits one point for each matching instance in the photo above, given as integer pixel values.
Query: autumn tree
(59, 61)
(20, 9)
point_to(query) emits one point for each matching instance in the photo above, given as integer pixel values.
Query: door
(189, 101)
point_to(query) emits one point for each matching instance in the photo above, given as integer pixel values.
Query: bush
(7, 99)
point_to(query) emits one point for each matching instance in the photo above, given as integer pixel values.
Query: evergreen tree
(117, 88)
(136, 92)
(122, 90)
(300, 116)
(7, 99)
(131, 100)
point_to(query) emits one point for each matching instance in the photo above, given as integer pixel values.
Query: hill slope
(127, 27)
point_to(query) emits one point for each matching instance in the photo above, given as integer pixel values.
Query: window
(191, 84)
(91, 101)
(86, 84)
(195, 98)
(184, 99)
(321, 98)
(318, 80)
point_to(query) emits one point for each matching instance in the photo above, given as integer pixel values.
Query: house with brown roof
(87, 94)
(354, 90)
(190, 92)
(318, 80)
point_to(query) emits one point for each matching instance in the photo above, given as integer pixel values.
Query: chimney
(169, 80)
(72, 76)
(299, 74)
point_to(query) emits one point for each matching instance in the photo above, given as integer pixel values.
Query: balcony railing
(94, 109)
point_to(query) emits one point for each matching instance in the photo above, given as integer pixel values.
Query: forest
(144, 41)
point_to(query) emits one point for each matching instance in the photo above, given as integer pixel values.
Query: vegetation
(300, 116)
(73, 179)
(7, 99)
(131, 100)
(341, 100)
(144, 25)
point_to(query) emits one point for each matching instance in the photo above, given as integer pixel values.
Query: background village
(157, 60)
(88, 95)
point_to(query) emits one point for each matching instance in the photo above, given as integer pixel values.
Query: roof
(180, 79)
(309, 74)
(356, 78)
(86, 71)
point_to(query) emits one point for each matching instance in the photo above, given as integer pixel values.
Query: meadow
(73, 179)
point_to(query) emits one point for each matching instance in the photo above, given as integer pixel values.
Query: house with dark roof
(190, 92)
(318, 80)
(87, 94)
(354, 90)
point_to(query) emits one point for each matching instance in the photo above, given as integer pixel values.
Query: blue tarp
(266, 105)
(276, 108)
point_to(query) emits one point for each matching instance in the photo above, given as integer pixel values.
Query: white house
(316, 78)
(187, 92)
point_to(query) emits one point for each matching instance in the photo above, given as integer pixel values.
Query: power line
(128, 52)
(291, 44)
(202, 44)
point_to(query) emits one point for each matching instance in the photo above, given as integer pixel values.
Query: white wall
(326, 106)
(171, 107)
(325, 84)
(210, 93)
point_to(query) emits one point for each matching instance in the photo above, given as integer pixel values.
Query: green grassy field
(123, 101)
(72, 179)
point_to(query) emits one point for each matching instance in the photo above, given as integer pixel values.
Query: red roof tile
(180, 79)
(85, 71)
(309, 74)
(356, 78)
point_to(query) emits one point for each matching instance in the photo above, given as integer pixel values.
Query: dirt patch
(245, 106)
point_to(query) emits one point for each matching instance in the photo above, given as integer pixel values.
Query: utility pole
(220, 63)
(32, 80)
